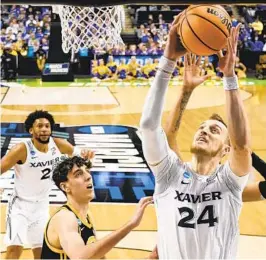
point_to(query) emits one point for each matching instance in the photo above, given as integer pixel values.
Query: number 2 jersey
(33, 180)
(197, 215)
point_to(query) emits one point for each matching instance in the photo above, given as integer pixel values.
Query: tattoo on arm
(183, 105)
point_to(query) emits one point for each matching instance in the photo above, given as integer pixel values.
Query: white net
(86, 27)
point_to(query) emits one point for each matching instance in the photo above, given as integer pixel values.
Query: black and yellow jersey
(86, 231)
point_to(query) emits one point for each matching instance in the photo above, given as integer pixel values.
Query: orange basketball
(204, 29)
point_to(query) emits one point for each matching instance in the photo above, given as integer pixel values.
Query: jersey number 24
(206, 217)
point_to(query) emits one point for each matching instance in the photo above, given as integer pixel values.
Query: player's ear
(64, 187)
(226, 150)
(31, 131)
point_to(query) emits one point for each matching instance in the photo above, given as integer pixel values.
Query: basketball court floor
(105, 117)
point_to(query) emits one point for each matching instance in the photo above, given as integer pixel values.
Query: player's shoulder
(175, 159)
(63, 220)
(222, 168)
(59, 141)
(19, 148)
(64, 216)
(173, 162)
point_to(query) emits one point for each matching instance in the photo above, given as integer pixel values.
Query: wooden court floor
(127, 111)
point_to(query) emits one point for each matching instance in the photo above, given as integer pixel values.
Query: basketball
(204, 29)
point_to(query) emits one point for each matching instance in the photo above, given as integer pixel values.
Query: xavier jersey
(33, 179)
(197, 215)
(86, 231)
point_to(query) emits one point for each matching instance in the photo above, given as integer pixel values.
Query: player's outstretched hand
(227, 62)
(192, 69)
(87, 154)
(143, 203)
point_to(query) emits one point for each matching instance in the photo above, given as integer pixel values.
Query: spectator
(234, 21)
(30, 20)
(257, 25)
(258, 44)
(165, 8)
(140, 31)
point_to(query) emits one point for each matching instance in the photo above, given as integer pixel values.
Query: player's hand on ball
(192, 69)
(143, 203)
(227, 62)
(174, 49)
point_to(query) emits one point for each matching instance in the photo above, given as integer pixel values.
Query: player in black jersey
(70, 233)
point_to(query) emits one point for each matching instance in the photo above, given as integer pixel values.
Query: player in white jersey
(33, 161)
(198, 203)
(253, 191)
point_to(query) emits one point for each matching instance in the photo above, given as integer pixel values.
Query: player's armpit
(16, 154)
(254, 192)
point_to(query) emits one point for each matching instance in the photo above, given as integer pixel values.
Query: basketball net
(86, 27)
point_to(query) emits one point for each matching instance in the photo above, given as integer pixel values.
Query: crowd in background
(25, 29)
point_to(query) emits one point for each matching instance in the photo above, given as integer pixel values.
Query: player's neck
(80, 208)
(204, 165)
(40, 147)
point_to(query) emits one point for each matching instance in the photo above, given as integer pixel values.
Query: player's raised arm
(155, 146)
(191, 80)
(67, 148)
(238, 125)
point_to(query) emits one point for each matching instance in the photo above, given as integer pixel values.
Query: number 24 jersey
(197, 215)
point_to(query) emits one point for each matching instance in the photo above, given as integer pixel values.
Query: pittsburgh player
(256, 191)
(191, 198)
(33, 160)
(69, 232)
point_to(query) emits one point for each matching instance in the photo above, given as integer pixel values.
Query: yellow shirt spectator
(257, 26)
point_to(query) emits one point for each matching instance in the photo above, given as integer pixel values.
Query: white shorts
(26, 222)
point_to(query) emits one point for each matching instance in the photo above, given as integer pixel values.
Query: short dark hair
(36, 115)
(65, 166)
(218, 118)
